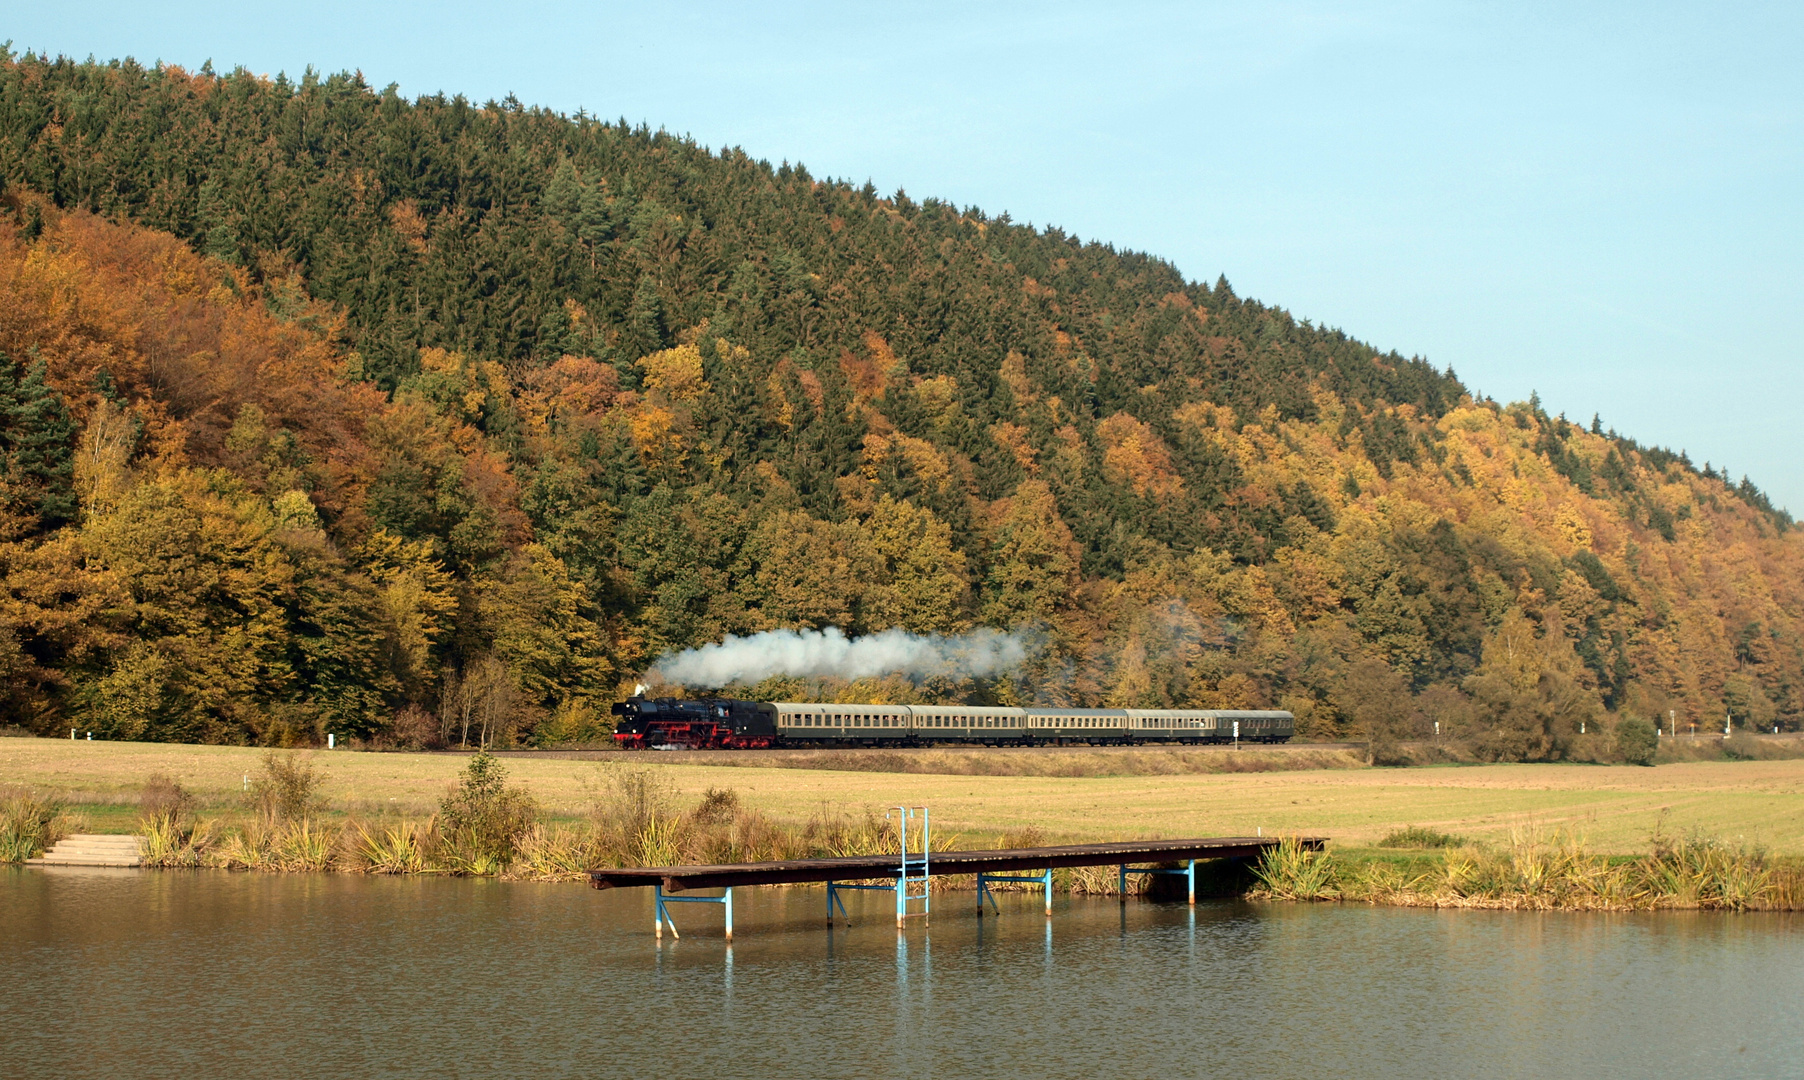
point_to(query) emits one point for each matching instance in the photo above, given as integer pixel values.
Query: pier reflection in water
(210, 974)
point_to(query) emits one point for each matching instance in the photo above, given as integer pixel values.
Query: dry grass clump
(29, 823)
(1555, 871)
(633, 821)
(286, 788)
(165, 822)
(1416, 836)
(162, 797)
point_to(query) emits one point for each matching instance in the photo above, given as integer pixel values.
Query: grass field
(1615, 808)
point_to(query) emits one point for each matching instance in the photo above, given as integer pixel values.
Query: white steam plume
(830, 654)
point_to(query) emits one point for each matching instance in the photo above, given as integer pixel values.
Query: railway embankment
(1065, 761)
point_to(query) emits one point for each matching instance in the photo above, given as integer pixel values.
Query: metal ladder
(914, 866)
(911, 870)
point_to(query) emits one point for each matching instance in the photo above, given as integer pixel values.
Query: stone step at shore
(93, 849)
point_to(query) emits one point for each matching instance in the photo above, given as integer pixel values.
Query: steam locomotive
(725, 723)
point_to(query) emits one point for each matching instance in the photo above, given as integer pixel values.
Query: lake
(199, 974)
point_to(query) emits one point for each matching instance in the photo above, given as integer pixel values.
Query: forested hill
(430, 410)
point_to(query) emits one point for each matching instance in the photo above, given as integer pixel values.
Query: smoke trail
(830, 654)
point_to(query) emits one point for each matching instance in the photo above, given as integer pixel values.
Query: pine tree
(645, 322)
(37, 436)
(564, 193)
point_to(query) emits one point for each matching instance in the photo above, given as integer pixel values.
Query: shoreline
(1534, 873)
(1783, 893)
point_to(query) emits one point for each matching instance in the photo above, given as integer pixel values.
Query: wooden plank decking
(862, 867)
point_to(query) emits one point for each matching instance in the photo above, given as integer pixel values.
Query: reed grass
(29, 823)
(1291, 871)
(633, 820)
(397, 849)
(1545, 871)
(170, 842)
(1533, 870)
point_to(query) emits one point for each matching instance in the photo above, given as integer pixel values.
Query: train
(731, 724)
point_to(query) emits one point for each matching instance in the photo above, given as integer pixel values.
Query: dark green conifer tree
(37, 437)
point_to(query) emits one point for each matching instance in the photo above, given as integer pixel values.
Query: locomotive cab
(694, 723)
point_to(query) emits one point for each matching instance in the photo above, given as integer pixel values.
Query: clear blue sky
(1603, 202)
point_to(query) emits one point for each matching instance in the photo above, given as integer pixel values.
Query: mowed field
(1614, 808)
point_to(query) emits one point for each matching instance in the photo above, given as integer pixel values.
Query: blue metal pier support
(661, 916)
(1189, 873)
(983, 889)
(834, 888)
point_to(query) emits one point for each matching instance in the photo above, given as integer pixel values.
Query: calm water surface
(210, 974)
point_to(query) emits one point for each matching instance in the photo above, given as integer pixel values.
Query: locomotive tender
(725, 723)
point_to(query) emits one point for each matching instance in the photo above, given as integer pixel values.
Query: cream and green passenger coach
(805, 724)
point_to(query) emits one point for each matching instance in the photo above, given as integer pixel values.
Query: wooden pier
(675, 879)
(899, 871)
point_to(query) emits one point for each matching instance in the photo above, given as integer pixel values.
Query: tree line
(417, 421)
